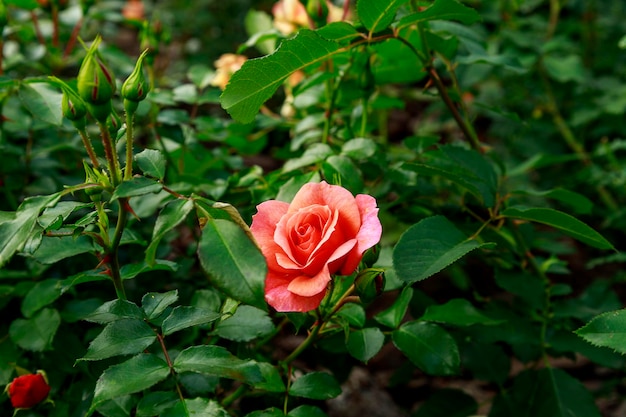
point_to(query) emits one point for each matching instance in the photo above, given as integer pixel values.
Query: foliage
(487, 132)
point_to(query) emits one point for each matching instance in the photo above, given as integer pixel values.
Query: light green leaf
(134, 375)
(154, 303)
(342, 32)
(315, 385)
(561, 221)
(359, 148)
(173, 214)
(272, 380)
(246, 324)
(115, 310)
(565, 68)
(151, 162)
(121, 337)
(429, 347)
(377, 15)
(458, 312)
(258, 79)
(607, 330)
(442, 10)
(215, 360)
(14, 233)
(365, 343)
(43, 101)
(136, 187)
(183, 317)
(428, 247)
(36, 333)
(62, 209)
(233, 262)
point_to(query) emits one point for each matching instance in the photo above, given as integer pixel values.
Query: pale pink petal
(280, 298)
(369, 234)
(308, 286)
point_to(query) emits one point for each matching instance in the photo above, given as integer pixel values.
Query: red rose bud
(27, 391)
(95, 81)
(317, 11)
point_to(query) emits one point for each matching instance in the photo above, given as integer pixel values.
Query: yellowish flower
(225, 66)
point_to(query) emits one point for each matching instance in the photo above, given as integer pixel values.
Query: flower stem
(128, 169)
(88, 147)
(110, 153)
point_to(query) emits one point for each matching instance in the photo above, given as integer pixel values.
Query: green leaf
(136, 187)
(364, 344)
(448, 402)
(565, 68)
(377, 15)
(233, 262)
(272, 380)
(53, 249)
(429, 347)
(42, 294)
(183, 317)
(258, 79)
(130, 271)
(306, 411)
(62, 210)
(561, 221)
(577, 202)
(36, 333)
(14, 233)
(215, 360)
(154, 303)
(196, 407)
(428, 247)
(270, 412)
(155, 403)
(607, 330)
(24, 4)
(487, 362)
(392, 316)
(459, 312)
(121, 337)
(134, 375)
(43, 101)
(115, 310)
(442, 10)
(343, 171)
(342, 32)
(316, 153)
(315, 385)
(173, 214)
(548, 392)
(246, 324)
(151, 162)
(359, 148)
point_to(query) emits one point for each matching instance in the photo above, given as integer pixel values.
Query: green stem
(89, 147)
(171, 366)
(110, 153)
(305, 344)
(232, 397)
(128, 169)
(116, 277)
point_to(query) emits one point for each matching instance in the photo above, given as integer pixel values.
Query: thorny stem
(35, 20)
(170, 365)
(110, 153)
(88, 146)
(73, 36)
(55, 25)
(128, 169)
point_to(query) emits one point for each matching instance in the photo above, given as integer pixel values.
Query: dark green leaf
(151, 162)
(442, 10)
(258, 79)
(53, 249)
(115, 310)
(233, 262)
(62, 210)
(173, 214)
(392, 316)
(24, 4)
(215, 360)
(117, 407)
(246, 324)
(315, 385)
(14, 233)
(270, 412)
(154, 303)
(121, 337)
(134, 375)
(183, 317)
(42, 294)
(306, 411)
(561, 221)
(428, 247)
(607, 330)
(155, 403)
(577, 202)
(43, 101)
(364, 344)
(197, 407)
(342, 32)
(448, 402)
(487, 362)
(377, 15)
(136, 187)
(341, 170)
(272, 380)
(36, 333)
(429, 347)
(459, 312)
(130, 271)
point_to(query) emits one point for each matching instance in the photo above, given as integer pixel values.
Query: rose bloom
(226, 65)
(291, 15)
(27, 391)
(133, 10)
(324, 231)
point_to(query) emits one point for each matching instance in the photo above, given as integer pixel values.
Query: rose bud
(136, 87)
(96, 82)
(27, 391)
(369, 284)
(318, 12)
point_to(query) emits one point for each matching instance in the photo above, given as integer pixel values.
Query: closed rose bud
(369, 284)
(318, 12)
(73, 106)
(27, 391)
(136, 86)
(95, 81)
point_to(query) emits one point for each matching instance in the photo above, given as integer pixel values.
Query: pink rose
(324, 231)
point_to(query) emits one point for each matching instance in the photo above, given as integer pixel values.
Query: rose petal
(308, 286)
(263, 227)
(280, 298)
(369, 234)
